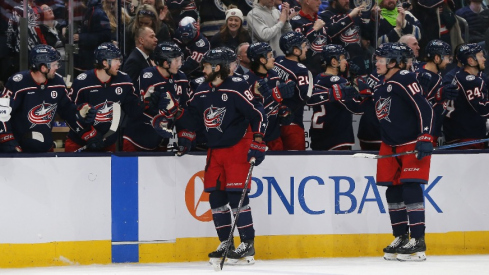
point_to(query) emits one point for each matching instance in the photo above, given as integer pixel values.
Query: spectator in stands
(244, 61)
(139, 58)
(267, 24)
(476, 22)
(53, 33)
(110, 9)
(94, 30)
(232, 33)
(167, 25)
(412, 43)
(6, 59)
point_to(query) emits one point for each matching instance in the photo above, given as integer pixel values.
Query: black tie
(149, 61)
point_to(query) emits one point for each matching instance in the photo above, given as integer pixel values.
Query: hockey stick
(373, 156)
(116, 118)
(218, 267)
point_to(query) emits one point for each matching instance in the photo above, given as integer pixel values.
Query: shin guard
(397, 210)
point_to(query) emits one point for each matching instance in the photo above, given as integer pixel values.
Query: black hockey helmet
(217, 56)
(407, 51)
(230, 54)
(331, 51)
(166, 51)
(468, 50)
(43, 55)
(257, 50)
(391, 51)
(437, 47)
(186, 30)
(107, 51)
(291, 40)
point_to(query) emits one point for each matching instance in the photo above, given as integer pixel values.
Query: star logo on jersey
(213, 117)
(350, 36)
(383, 108)
(104, 112)
(42, 114)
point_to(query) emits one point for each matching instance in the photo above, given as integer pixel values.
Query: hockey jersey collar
(310, 18)
(103, 84)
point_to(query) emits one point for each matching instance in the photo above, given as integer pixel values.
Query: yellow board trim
(55, 254)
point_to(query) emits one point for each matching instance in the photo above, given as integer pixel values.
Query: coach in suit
(139, 58)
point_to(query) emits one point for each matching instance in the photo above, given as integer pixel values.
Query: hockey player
(163, 82)
(101, 88)
(272, 92)
(35, 97)
(289, 67)
(195, 45)
(406, 120)
(467, 115)
(234, 124)
(438, 56)
(331, 123)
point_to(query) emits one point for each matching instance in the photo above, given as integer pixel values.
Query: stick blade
(365, 155)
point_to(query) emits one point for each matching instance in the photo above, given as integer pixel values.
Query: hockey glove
(362, 86)
(168, 105)
(424, 146)
(447, 92)
(424, 80)
(285, 116)
(257, 152)
(354, 69)
(185, 139)
(342, 92)
(162, 126)
(93, 139)
(285, 90)
(5, 109)
(8, 144)
(263, 88)
(86, 113)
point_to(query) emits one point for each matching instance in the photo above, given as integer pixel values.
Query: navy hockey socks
(245, 221)
(397, 210)
(413, 198)
(222, 221)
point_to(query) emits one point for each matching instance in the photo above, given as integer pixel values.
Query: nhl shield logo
(213, 117)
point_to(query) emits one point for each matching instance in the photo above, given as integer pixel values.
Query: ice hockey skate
(216, 256)
(243, 255)
(390, 252)
(414, 250)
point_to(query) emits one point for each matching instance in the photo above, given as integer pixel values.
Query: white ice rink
(435, 265)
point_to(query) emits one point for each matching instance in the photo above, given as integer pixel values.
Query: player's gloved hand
(185, 139)
(93, 139)
(263, 88)
(285, 115)
(5, 109)
(8, 144)
(424, 80)
(362, 86)
(286, 90)
(162, 126)
(424, 146)
(168, 105)
(342, 92)
(353, 68)
(447, 92)
(257, 151)
(86, 113)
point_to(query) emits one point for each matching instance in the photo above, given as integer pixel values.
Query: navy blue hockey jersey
(369, 126)
(430, 94)
(34, 107)
(193, 53)
(402, 110)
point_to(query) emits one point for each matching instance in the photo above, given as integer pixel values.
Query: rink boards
(110, 209)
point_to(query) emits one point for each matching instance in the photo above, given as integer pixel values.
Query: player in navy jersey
(35, 97)
(289, 67)
(234, 124)
(467, 114)
(101, 88)
(164, 82)
(271, 91)
(331, 123)
(438, 55)
(406, 121)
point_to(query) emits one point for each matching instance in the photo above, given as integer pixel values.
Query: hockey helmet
(391, 51)
(43, 55)
(257, 50)
(166, 51)
(437, 47)
(231, 55)
(407, 51)
(217, 56)
(291, 40)
(468, 50)
(332, 51)
(106, 51)
(187, 30)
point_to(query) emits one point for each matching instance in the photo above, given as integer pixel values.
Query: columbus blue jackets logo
(351, 36)
(318, 43)
(383, 108)
(104, 112)
(213, 117)
(42, 114)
